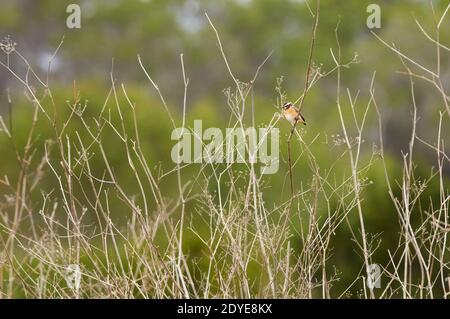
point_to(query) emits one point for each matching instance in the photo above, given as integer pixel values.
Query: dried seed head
(7, 45)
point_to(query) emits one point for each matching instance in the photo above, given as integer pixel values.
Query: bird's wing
(299, 116)
(302, 117)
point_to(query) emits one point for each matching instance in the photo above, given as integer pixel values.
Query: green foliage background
(160, 30)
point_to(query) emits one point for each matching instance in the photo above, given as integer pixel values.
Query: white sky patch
(43, 58)
(189, 16)
(244, 3)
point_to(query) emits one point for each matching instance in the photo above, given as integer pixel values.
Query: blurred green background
(161, 30)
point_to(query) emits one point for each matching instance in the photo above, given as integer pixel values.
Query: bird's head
(287, 106)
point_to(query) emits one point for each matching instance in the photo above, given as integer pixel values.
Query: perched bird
(292, 115)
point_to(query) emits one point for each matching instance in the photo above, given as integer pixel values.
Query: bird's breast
(290, 115)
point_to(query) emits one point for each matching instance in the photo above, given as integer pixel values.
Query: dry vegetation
(247, 249)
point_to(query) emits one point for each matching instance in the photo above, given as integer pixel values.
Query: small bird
(292, 115)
